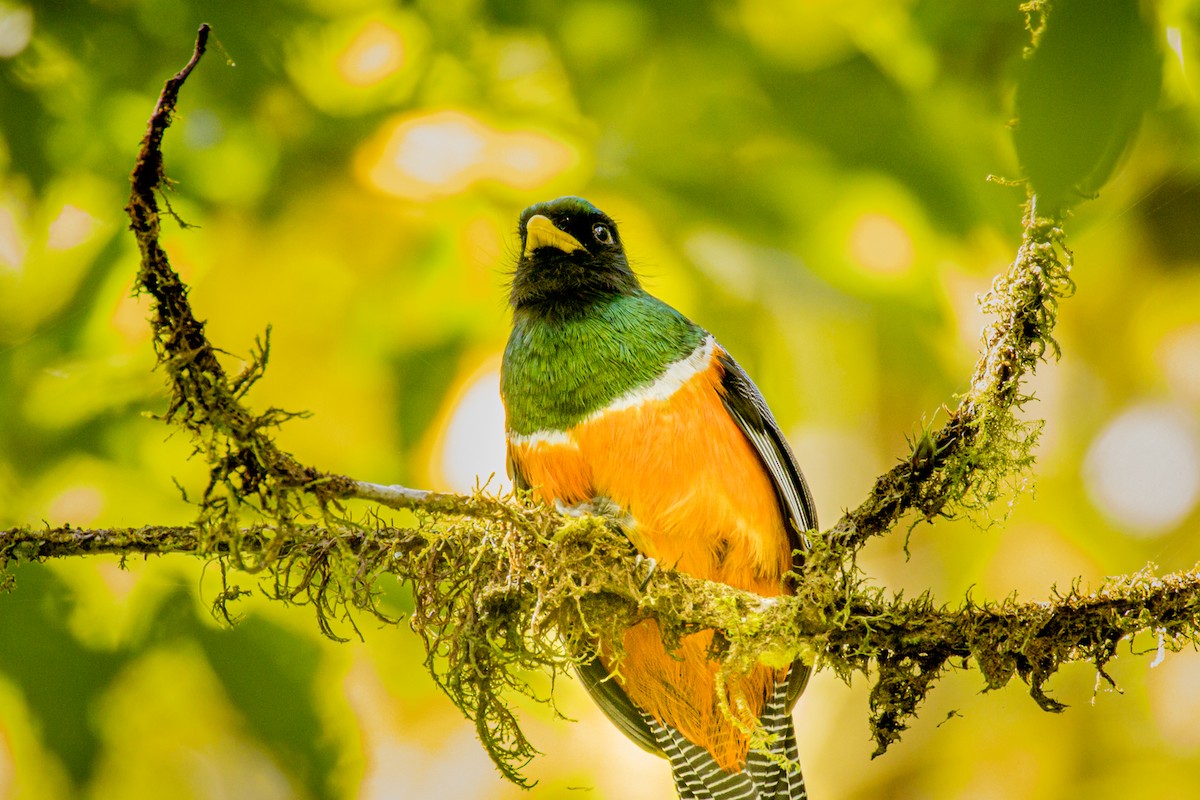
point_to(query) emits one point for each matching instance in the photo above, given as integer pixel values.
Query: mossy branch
(502, 586)
(984, 448)
(245, 461)
(489, 608)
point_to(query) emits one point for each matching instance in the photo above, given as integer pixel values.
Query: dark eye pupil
(601, 233)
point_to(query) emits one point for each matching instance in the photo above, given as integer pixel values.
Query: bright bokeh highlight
(12, 248)
(70, 228)
(357, 64)
(881, 244)
(1179, 357)
(16, 29)
(1143, 469)
(447, 152)
(473, 446)
(374, 54)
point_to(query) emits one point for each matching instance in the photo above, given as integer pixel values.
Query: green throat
(559, 369)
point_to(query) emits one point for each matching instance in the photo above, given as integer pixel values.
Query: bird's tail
(765, 777)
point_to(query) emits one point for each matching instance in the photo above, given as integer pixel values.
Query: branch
(524, 589)
(245, 460)
(983, 449)
(963, 467)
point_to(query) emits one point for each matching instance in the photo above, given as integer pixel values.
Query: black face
(552, 279)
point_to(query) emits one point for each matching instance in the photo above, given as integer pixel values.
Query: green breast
(559, 369)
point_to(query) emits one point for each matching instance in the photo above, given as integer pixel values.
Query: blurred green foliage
(807, 180)
(1083, 94)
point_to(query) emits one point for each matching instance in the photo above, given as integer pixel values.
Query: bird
(616, 402)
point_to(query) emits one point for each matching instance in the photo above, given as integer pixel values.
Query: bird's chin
(554, 278)
(551, 280)
(551, 296)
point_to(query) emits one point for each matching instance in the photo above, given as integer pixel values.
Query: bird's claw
(576, 511)
(652, 568)
(599, 506)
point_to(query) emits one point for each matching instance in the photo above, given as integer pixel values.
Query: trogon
(615, 401)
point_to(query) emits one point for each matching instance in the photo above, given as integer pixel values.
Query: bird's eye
(602, 234)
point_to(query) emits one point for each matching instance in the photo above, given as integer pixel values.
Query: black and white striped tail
(698, 777)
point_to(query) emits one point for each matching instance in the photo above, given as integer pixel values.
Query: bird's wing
(745, 404)
(520, 483)
(749, 410)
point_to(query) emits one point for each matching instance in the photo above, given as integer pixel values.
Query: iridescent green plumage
(558, 370)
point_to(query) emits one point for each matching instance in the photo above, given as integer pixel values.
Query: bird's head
(571, 254)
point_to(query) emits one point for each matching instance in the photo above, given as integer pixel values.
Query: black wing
(749, 410)
(616, 705)
(745, 404)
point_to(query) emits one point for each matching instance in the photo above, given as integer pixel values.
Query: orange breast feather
(701, 503)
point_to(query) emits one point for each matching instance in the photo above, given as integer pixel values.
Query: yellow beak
(540, 232)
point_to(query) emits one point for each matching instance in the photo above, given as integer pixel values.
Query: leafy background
(807, 180)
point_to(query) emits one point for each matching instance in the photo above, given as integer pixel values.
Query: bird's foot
(599, 506)
(578, 510)
(651, 567)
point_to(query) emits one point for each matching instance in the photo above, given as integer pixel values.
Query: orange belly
(701, 503)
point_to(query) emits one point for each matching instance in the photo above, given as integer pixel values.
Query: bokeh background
(808, 180)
